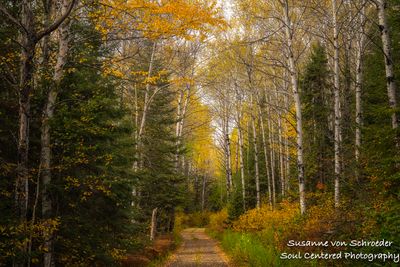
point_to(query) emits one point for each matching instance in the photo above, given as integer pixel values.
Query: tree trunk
(28, 41)
(22, 192)
(48, 113)
(227, 148)
(258, 197)
(287, 153)
(297, 102)
(147, 101)
(203, 192)
(242, 177)
(264, 141)
(136, 160)
(181, 113)
(153, 227)
(240, 147)
(29, 38)
(358, 85)
(177, 127)
(338, 134)
(272, 157)
(389, 67)
(281, 164)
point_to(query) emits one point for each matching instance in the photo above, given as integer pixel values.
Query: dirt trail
(198, 250)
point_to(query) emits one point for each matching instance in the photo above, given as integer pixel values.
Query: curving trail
(198, 250)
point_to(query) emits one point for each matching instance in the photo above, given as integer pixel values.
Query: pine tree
(315, 93)
(93, 153)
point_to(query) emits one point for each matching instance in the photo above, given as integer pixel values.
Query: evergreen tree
(380, 161)
(93, 153)
(160, 186)
(315, 93)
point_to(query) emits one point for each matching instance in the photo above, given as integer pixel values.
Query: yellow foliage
(265, 218)
(17, 236)
(322, 221)
(158, 19)
(118, 254)
(200, 138)
(218, 221)
(290, 130)
(180, 220)
(179, 81)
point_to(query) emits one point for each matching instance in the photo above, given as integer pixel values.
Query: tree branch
(56, 23)
(11, 18)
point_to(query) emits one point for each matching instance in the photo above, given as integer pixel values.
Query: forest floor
(199, 250)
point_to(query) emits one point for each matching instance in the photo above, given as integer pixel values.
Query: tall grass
(247, 249)
(256, 250)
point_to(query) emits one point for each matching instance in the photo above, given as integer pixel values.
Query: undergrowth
(258, 237)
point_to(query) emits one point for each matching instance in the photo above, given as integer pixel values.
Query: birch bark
(267, 167)
(338, 135)
(48, 113)
(240, 148)
(358, 85)
(299, 125)
(271, 155)
(138, 162)
(257, 178)
(389, 68)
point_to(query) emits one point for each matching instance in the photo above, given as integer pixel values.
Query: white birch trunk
(297, 102)
(287, 153)
(226, 148)
(177, 127)
(272, 157)
(358, 85)
(257, 178)
(281, 164)
(228, 157)
(336, 72)
(146, 105)
(181, 113)
(242, 177)
(240, 147)
(48, 113)
(135, 162)
(264, 141)
(256, 164)
(389, 68)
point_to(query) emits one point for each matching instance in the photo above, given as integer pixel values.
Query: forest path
(199, 250)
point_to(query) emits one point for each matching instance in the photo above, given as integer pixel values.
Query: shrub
(199, 219)
(180, 221)
(265, 218)
(218, 221)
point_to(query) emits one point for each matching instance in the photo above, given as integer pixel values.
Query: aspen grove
(273, 124)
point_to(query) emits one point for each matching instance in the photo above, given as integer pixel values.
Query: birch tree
(30, 36)
(337, 107)
(48, 112)
(361, 43)
(389, 66)
(239, 113)
(289, 31)
(257, 173)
